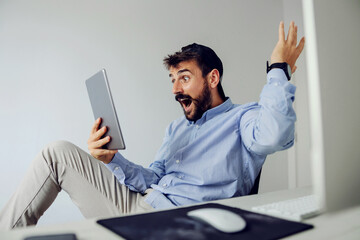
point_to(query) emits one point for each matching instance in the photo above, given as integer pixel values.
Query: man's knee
(59, 146)
(58, 151)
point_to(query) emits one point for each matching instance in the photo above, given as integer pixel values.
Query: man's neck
(217, 101)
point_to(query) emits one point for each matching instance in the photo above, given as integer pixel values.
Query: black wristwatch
(284, 66)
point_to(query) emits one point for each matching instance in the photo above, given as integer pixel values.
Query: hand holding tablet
(106, 132)
(96, 143)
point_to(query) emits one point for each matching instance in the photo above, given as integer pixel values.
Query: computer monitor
(333, 63)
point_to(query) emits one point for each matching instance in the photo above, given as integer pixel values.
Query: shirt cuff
(116, 166)
(277, 78)
(158, 200)
(277, 75)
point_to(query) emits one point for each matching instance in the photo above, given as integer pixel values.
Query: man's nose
(177, 87)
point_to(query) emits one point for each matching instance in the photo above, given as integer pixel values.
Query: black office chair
(255, 188)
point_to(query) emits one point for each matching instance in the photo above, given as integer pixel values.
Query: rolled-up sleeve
(270, 126)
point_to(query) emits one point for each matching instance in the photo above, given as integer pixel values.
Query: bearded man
(215, 151)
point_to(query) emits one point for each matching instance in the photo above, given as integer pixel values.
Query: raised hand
(287, 50)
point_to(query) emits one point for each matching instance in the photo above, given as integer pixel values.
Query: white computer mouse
(221, 219)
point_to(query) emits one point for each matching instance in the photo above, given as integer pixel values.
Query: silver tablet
(103, 106)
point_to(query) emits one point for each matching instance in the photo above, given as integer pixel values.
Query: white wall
(48, 48)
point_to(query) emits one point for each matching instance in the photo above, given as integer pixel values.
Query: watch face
(289, 70)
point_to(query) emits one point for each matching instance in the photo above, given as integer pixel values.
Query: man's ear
(213, 78)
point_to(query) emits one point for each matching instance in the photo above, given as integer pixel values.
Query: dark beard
(201, 104)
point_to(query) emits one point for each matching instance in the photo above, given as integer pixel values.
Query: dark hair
(205, 57)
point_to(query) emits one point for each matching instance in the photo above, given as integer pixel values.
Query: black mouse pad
(175, 224)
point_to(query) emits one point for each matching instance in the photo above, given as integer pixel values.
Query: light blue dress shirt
(218, 156)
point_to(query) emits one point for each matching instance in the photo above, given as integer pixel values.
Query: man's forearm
(134, 176)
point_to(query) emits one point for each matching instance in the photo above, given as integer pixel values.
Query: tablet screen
(103, 106)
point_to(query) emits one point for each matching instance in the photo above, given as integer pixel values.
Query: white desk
(344, 225)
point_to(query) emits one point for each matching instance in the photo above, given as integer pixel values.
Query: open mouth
(185, 102)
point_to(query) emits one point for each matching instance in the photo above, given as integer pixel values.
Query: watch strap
(282, 66)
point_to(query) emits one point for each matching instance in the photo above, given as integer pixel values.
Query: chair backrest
(255, 188)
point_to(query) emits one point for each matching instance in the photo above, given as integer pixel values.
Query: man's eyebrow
(181, 71)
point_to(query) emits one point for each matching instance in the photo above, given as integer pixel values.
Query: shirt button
(276, 84)
(116, 168)
(197, 126)
(164, 185)
(177, 161)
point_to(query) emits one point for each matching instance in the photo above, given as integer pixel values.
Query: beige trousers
(64, 166)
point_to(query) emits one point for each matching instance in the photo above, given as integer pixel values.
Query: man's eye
(186, 78)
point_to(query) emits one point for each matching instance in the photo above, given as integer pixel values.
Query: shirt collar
(211, 113)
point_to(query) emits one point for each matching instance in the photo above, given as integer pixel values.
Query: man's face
(191, 89)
